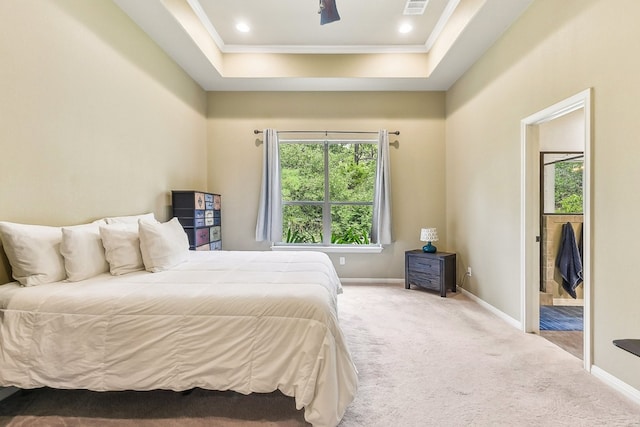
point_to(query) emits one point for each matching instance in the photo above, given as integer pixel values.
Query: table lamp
(429, 235)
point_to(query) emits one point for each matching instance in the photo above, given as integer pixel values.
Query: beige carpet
(423, 361)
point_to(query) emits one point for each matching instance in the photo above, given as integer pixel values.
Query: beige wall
(95, 119)
(417, 163)
(555, 50)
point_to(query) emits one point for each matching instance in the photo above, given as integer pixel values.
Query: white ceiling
(294, 25)
(200, 35)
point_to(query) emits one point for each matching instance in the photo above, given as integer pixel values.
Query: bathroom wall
(550, 274)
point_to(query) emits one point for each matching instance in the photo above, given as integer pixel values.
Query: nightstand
(435, 271)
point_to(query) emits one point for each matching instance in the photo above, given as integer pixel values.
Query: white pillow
(83, 252)
(33, 252)
(122, 248)
(163, 245)
(131, 219)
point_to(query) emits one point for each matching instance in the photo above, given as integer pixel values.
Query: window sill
(344, 249)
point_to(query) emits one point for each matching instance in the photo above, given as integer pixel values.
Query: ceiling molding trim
(204, 19)
(442, 22)
(328, 49)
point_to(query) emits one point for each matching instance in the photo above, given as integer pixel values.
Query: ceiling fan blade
(328, 12)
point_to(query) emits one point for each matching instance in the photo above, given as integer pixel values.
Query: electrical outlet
(469, 271)
(342, 261)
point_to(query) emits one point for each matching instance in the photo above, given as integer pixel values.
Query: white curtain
(381, 227)
(269, 224)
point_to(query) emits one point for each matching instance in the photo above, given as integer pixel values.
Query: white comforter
(243, 321)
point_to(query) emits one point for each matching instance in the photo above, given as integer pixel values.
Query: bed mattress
(252, 322)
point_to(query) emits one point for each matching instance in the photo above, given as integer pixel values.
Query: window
(336, 193)
(562, 183)
(327, 191)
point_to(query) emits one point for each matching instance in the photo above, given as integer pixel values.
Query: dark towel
(328, 12)
(569, 261)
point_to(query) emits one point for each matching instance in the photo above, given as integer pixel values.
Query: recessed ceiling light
(405, 28)
(243, 27)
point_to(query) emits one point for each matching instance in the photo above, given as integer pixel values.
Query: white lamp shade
(428, 235)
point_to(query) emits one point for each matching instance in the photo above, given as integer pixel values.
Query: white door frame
(530, 215)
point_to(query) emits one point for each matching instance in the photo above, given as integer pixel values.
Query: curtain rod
(326, 132)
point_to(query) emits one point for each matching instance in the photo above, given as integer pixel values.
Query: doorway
(561, 229)
(535, 139)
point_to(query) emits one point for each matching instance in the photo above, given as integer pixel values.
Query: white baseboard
(370, 281)
(616, 384)
(597, 372)
(7, 391)
(504, 316)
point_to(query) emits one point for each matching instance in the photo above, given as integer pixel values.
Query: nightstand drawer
(426, 279)
(425, 265)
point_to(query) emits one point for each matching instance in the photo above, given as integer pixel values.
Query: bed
(252, 322)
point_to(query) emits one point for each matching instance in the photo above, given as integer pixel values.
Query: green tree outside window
(327, 191)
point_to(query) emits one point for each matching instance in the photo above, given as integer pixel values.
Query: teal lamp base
(429, 248)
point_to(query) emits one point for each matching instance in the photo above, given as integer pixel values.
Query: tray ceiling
(286, 47)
